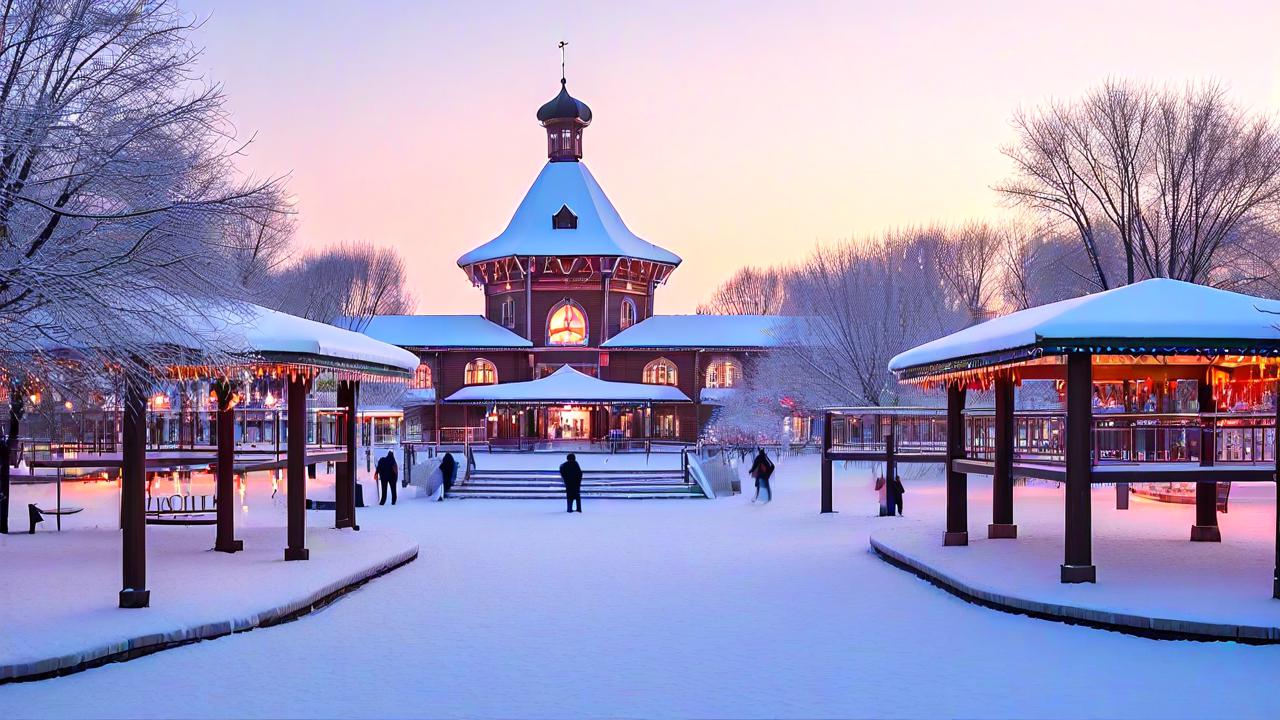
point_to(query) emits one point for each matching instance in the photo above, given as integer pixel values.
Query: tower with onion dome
(567, 273)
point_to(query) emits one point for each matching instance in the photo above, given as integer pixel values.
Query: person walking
(895, 494)
(571, 475)
(448, 471)
(762, 470)
(385, 473)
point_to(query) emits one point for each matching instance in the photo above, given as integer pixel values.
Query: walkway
(715, 608)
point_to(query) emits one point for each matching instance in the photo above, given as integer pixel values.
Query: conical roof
(600, 230)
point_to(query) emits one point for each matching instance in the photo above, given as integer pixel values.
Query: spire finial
(561, 46)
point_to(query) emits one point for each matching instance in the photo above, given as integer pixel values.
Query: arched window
(567, 324)
(627, 315)
(421, 377)
(660, 372)
(723, 372)
(480, 372)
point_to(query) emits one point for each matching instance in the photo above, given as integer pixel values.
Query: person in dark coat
(448, 470)
(895, 495)
(571, 475)
(385, 473)
(762, 470)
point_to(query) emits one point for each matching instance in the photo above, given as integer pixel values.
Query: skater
(385, 473)
(571, 475)
(762, 470)
(895, 495)
(448, 470)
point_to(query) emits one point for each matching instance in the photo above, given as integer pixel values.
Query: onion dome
(564, 107)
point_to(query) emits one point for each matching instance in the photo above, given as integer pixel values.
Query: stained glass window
(567, 325)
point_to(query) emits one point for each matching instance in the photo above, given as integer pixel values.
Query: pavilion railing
(1039, 436)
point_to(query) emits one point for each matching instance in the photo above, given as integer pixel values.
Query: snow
(253, 329)
(703, 331)
(708, 609)
(442, 331)
(1146, 565)
(600, 230)
(60, 589)
(568, 385)
(1148, 314)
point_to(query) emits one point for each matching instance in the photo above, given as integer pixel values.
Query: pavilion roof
(567, 385)
(600, 230)
(1153, 317)
(256, 333)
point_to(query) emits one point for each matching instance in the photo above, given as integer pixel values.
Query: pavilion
(1161, 379)
(255, 342)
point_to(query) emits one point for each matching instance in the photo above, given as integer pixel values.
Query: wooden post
(1275, 581)
(296, 469)
(1002, 525)
(224, 484)
(957, 482)
(890, 505)
(828, 506)
(604, 313)
(133, 496)
(344, 504)
(1206, 528)
(1077, 566)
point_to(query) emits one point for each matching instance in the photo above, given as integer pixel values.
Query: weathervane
(561, 46)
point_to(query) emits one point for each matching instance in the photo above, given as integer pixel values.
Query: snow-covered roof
(703, 331)
(442, 331)
(1157, 316)
(600, 230)
(567, 385)
(244, 328)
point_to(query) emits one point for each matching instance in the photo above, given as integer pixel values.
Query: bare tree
(344, 285)
(1179, 179)
(858, 305)
(967, 260)
(749, 291)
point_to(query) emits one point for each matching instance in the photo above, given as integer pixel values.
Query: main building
(569, 346)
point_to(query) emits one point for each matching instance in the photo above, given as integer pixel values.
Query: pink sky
(730, 133)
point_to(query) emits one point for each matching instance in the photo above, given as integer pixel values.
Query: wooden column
(828, 506)
(890, 505)
(296, 469)
(1275, 582)
(224, 483)
(957, 482)
(1206, 528)
(604, 312)
(1002, 525)
(133, 496)
(346, 471)
(1077, 566)
(437, 379)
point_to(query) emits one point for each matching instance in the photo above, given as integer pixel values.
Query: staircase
(545, 484)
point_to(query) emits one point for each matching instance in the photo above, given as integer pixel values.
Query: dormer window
(564, 219)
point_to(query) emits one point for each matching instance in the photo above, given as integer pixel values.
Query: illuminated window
(660, 372)
(627, 316)
(723, 373)
(567, 324)
(421, 377)
(480, 372)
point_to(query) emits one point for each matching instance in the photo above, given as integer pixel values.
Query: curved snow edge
(1141, 625)
(155, 642)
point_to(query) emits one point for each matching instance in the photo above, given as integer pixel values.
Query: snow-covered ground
(650, 608)
(1146, 565)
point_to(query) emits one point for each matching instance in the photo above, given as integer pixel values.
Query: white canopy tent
(567, 385)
